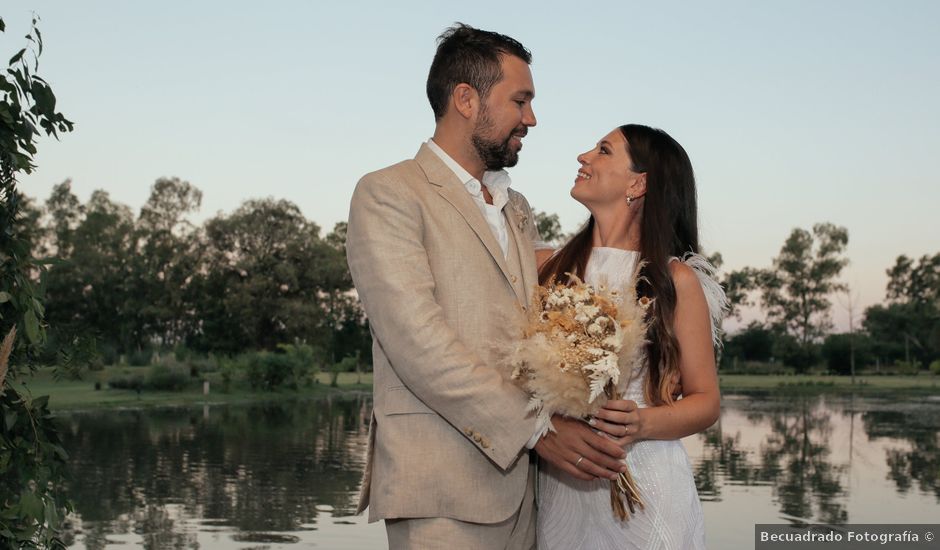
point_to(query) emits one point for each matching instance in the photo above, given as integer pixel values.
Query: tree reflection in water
(272, 474)
(270, 467)
(794, 457)
(919, 460)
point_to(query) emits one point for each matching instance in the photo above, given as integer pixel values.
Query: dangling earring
(629, 201)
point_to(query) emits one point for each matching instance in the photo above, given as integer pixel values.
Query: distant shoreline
(924, 384)
(80, 395)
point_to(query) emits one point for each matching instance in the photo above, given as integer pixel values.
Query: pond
(285, 474)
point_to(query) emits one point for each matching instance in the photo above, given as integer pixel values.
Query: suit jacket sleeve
(392, 275)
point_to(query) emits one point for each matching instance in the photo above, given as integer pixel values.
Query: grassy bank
(817, 383)
(81, 394)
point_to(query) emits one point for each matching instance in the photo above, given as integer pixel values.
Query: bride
(638, 184)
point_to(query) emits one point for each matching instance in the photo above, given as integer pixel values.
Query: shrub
(181, 353)
(203, 365)
(801, 358)
(109, 354)
(906, 368)
(266, 370)
(935, 367)
(837, 350)
(127, 382)
(140, 358)
(165, 378)
(754, 343)
(347, 364)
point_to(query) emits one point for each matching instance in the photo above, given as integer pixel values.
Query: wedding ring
(580, 458)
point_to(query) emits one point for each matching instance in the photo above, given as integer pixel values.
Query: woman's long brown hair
(669, 228)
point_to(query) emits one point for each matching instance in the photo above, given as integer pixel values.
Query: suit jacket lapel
(526, 250)
(453, 191)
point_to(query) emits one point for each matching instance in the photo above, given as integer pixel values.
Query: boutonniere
(522, 216)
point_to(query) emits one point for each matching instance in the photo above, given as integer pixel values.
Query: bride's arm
(700, 405)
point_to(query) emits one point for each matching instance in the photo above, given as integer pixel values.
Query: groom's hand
(577, 450)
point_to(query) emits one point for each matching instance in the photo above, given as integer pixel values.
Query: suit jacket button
(468, 431)
(477, 438)
(513, 278)
(485, 443)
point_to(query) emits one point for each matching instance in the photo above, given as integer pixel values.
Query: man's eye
(604, 151)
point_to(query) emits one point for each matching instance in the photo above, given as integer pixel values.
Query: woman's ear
(638, 188)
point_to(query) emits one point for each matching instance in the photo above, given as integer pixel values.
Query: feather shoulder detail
(715, 296)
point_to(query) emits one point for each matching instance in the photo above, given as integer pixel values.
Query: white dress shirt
(497, 183)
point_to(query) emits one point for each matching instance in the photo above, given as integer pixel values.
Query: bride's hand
(621, 420)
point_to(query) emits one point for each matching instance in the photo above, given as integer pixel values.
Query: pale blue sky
(792, 112)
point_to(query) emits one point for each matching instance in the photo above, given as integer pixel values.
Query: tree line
(797, 293)
(795, 296)
(127, 285)
(263, 276)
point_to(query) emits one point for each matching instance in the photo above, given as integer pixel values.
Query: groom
(441, 253)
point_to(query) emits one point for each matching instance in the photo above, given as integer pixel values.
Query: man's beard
(495, 154)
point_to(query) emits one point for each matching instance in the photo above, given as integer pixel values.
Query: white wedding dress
(575, 514)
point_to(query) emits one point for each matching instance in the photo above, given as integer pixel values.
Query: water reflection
(283, 474)
(917, 461)
(253, 469)
(795, 451)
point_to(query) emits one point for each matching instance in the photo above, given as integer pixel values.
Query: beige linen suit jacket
(448, 428)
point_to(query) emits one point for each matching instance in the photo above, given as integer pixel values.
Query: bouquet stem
(624, 493)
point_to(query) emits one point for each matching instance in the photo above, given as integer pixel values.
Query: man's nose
(528, 116)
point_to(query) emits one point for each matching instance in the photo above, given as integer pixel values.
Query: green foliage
(167, 378)
(935, 367)
(140, 358)
(109, 354)
(346, 364)
(801, 357)
(738, 287)
(908, 327)
(754, 343)
(127, 381)
(32, 461)
(915, 283)
(32, 470)
(549, 228)
(268, 371)
(288, 367)
(229, 369)
(907, 368)
(837, 350)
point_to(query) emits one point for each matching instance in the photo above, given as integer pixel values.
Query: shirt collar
(496, 181)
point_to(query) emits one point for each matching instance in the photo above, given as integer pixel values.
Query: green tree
(88, 288)
(796, 290)
(32, 461)
(754, 343)
(549, 228)
(168, 251)
(261, 279)
(908, 326)
(66, 212)
(915, 283)
(837, 350)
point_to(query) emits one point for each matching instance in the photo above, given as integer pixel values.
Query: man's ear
(465, 100)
